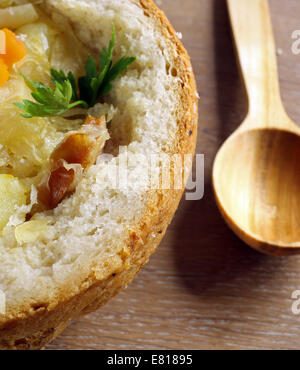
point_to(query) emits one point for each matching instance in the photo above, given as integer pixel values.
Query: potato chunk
(12, 195)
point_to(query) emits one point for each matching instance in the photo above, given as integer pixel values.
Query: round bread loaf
(99, 238)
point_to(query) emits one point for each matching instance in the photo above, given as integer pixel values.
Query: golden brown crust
(34, 329)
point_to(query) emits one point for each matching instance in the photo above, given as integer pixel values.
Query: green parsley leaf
(64, 96)
(61, 77)
(85, 82)
(95, 84)
(50, 102)
(113, 73)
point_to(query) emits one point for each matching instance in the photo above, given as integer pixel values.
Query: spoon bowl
(256, 179)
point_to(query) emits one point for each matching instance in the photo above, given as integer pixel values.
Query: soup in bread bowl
(88, 89)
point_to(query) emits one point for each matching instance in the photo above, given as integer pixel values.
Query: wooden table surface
(204, 288)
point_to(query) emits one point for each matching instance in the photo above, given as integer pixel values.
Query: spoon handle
(252, 30)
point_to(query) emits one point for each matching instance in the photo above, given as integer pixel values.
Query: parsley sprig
(50, 102)
(67, 93)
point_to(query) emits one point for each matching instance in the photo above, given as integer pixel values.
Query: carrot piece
(4, 74)
(15, 49)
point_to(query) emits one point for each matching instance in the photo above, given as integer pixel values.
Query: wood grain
(204, 288)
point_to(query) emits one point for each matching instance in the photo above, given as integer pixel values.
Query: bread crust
(36, 328)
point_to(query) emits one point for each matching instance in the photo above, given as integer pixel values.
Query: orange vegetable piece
(15, 49)
(4, 74)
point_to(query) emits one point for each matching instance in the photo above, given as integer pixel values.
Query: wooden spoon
(256, 174)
